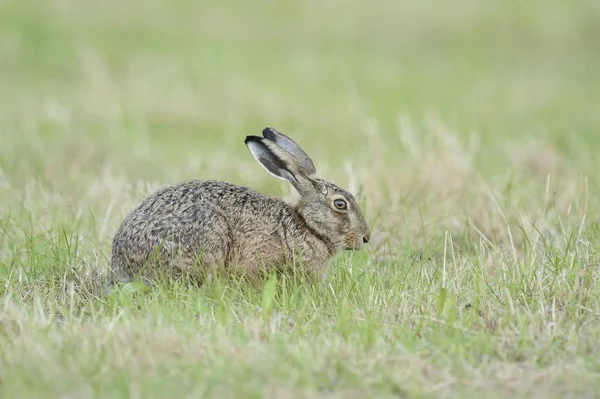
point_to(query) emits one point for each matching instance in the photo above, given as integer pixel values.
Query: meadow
(468, 130)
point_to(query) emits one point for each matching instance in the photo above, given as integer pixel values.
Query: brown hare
(198, 227)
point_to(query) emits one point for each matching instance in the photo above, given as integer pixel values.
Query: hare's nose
(366, 238)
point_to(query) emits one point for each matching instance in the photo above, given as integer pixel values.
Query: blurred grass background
(146, 87)
(447, 117)
(421, 98)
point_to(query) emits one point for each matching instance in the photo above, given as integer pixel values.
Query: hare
(198, 227)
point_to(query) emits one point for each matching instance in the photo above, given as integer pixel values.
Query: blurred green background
(166, 89)
(468, 128)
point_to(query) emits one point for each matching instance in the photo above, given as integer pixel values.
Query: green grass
(470, 130)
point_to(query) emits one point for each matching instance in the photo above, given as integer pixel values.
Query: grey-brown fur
(201, 226)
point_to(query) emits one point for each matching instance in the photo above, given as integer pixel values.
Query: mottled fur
(198, 227)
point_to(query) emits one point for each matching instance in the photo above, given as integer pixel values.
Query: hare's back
(175, 199)
(194, 206)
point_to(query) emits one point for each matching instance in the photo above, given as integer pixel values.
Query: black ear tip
(269, 133)
(252, 139)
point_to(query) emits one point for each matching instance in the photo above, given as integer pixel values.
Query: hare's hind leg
(205, 241)
(119, 270)
(190, 244)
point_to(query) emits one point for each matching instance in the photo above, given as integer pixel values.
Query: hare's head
(330, 211)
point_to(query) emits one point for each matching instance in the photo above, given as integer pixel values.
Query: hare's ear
(279, 163)
(283, 141)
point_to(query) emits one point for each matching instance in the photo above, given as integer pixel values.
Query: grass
(468, 129)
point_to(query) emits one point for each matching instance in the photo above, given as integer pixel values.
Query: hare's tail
(110, 284)
(117, 273)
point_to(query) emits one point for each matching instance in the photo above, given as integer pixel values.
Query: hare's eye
(340, 204)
